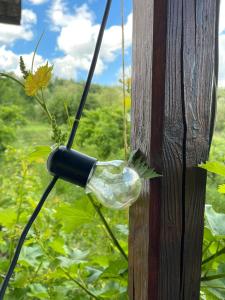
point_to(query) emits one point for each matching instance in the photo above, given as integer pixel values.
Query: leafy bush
(70, 253)
(101, 133)
(213, 263)
(10, 118)
(63, 257)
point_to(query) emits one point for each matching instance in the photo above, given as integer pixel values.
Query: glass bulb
(114, 184)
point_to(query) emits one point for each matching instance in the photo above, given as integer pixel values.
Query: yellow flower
(40, 79)
(221, 188)
(31, 86)
(128, 102)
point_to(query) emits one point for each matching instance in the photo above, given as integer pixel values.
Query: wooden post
(174, 81)
(10, 11)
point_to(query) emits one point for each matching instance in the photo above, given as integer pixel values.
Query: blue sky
(71, 28)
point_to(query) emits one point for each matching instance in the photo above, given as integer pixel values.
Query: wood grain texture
(199, 29)
(174, 80)
(173, 160)
(10, 11)
(141, 115)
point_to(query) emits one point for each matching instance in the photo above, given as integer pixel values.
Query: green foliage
(138, 162)
(10, 118)
(101, 133)
(57, 135)
(64, 253)
(214, 167)
(69, 253)
(67, 92)
(213, 267)
(6, 135)
(72, 216)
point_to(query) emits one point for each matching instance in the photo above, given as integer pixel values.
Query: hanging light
(114, 184)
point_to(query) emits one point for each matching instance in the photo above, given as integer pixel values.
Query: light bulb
(114, 184)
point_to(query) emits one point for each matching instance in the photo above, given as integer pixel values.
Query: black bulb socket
(71, 165)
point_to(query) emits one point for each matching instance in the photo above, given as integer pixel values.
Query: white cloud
(9, 61)
(222, 60)
(222, 16)
(10, 33)
(67, 66)
(59, 15)
(127, 72)
(77, 37)
(37, 2)
(64, 67)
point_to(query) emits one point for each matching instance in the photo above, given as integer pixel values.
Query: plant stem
(42, 104)
(123, 82)
(79, 284)
(45, 106)
(68, 116)
(207, 247)
(222, 251)
(12, 78)
(105, 223)
(35, 51)
(20, 198)
(213, 277)
(36, 272)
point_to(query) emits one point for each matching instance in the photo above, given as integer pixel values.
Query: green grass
(33, 133)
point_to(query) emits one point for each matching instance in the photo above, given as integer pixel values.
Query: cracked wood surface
(10, 11)
(174, 79)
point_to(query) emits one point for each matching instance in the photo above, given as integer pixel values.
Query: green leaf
(7, 217)
(138, 162)
(215, 221)
(39, 154)
(58, 245)
(123, 229)
(30, 255)
(78, 257)
(221, 188)
(113, 291)
(94, 274)
(115, 269)
(76, 215)
(208, 236)
(21, 278)
(38, 291)
(214, 167)
(214, 289)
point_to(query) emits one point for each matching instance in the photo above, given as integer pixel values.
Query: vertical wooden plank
(10, 11)
(174, 77)
(141, 115)
(156, 142)
(173, 160)
(199, 73)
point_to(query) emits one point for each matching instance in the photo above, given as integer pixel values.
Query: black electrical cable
(69, 145)
(24, 234)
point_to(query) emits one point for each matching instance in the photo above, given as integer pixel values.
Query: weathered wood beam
(175, 45)
(10, 11)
